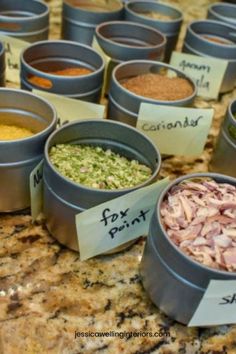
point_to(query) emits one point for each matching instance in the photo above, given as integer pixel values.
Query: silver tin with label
(224, 154)
(63, 198)
(41, 59)
(80, 18)
(196, 43)
(169, 25)
(27, 20)
(19, 157)
(174, 281)
(124, 105)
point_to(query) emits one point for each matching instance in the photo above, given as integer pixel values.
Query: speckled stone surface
(47, 293)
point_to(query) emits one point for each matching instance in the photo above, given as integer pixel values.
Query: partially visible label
(36, 190)
(175, 130)
(13, 48)
(217, 306)
(111, 224)
(70, 109)
(207, 72)
(108, 65)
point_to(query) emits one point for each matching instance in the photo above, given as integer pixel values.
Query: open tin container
(209, 38)
(19, 157)
(124, 105)
(168, 19)
(80, 18)
(123, 40)
(27, 20)
(63, 198)
(174, 281)
(42, 62)
(224, 154)
(222, 12)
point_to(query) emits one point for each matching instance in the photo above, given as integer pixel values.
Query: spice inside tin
(199, 216)
(219, 40)
(97, 168)
(155, 15)
(46, 83)
(159, 87)
(95, 5)
(13, 132)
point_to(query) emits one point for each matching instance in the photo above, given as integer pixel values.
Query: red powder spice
(159, 87)
(217, 40)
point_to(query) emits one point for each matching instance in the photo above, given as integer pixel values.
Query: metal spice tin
(174, 281)
(123, 40)
(136, 10)
(24, 19)
(2, 65)
(43, 58)
(124, 105)
(222, 12)
(80, 18)
(224, 155)
(19, 157)
(196, 44)
(63, 199)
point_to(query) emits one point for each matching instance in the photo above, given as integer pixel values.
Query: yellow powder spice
(12, 132)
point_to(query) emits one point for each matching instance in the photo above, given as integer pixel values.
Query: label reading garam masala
(111, 224)
(13, 48)
(207, 72)
(175, 130)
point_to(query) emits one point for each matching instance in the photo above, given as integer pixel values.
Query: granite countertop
(47, 294)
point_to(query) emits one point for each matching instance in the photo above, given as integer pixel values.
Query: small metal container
(2, 65)
(174, 281)
(124, 105)
(138, 10)
(222, 12)
(19, 157)
(43, 58)
(123, 41)
(63, 198)
(80, 18)
(24, 19)
(196, 44)
(224, 155)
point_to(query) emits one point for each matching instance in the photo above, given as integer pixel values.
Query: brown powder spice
(159, 87)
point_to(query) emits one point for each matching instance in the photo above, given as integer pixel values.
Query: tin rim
(45, 9)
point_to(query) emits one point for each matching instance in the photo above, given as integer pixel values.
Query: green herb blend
(97, 168)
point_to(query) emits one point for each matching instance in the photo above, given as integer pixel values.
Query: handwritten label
(13, 48)
(36, 190)
(111, 224)
(217, 306)
(70, 109)
(207, 72)
(175, 130)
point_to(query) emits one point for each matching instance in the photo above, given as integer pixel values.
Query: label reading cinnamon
(70, 109)
(118, 221)
(175, 130)
(36, 190)
(207, 72)
(13, 48)
(217, 306)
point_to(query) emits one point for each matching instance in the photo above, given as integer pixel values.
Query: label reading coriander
(70, 109)
(175, 130)
(36, 190)
(217, 306)
(13, 48)
(207, 72)
(111, 224)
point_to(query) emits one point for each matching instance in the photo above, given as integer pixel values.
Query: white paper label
(13, 48)
(36, 190)
(117, 221)
(175, 130)
(70, 109)
(217, 306)
(207, 72)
